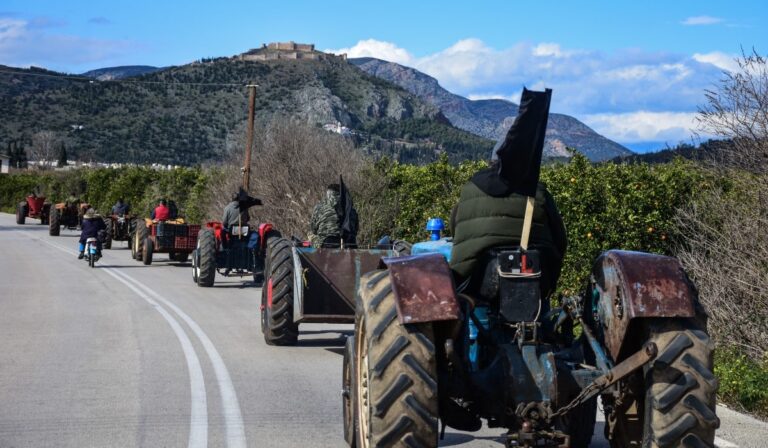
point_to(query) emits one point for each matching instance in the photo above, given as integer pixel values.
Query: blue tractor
(427, 353)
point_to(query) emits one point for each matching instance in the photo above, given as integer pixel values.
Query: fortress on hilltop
(286, 50)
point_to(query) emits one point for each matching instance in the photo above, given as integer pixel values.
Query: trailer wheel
(348, 389)
(206, 253)
(180, 257)
(138, 239)
(395, 369)
(678, 403)
(277, 303)
(107, 233)
(21, 213)
(54, 223)
(146, 251)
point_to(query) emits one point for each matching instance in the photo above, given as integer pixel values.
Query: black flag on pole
(345, 212)
(519, 153)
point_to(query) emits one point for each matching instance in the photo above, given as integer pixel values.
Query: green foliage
(614, 206)
(743, 381)
(140, 186)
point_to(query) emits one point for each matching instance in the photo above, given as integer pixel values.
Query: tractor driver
(121, 208)
(92, 224)
(328, 219)
(161, 212)
(233, 215)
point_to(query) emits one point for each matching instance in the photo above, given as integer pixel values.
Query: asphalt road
(133, 355)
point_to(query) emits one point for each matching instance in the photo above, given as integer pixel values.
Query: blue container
(442, 246)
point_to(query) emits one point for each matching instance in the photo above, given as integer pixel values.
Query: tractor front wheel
(54, 223)
(277, 301)
(677, 392)
(21, 213)
(396, 401)
(206, 253)
(146, 251)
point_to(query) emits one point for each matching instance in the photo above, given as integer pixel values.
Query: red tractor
(236, 252)
(34, 207)
(173, 237)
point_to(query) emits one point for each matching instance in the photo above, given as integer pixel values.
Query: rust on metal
(338, 270)
(634, 285)
(423, 288)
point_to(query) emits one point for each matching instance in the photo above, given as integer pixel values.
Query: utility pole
(249, 139)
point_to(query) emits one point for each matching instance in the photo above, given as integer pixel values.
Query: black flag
(519, 153)
(345, 212)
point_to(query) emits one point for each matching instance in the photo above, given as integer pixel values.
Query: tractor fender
(264, 229)
(636, 285)
(423, 288)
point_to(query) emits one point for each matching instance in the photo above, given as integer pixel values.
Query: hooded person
(90, 228)
(492, 205)
(334, 219)
(236, 211)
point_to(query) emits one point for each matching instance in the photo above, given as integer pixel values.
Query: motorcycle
(91, 251)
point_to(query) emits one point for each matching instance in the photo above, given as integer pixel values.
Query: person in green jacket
(492, 205)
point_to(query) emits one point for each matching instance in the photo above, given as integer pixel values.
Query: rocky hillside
(491, 118)
(187, 114)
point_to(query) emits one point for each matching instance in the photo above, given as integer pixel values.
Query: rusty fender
(423, 288)
(633, 285)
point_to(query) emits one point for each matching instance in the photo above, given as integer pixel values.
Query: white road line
(233, 419)
(198, 416)
(720, 443)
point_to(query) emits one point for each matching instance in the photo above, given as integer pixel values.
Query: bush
(743, 381)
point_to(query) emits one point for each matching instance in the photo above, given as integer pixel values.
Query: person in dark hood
(92, 224)
(492, 205)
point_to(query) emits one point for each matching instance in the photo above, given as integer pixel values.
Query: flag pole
(527, 222)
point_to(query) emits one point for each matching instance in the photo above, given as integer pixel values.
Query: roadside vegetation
(711, 213)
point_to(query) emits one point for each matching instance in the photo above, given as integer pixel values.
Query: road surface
(133, 355)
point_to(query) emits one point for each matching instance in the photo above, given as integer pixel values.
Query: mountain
(125, 71)
(188, 114)
(491, 118)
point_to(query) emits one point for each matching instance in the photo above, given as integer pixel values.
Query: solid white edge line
(198, 416)
(233, 419)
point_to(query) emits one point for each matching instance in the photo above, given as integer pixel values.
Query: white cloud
(376, 49)
(24, 43)
(720, 60)
(641, 126)
(701, 20)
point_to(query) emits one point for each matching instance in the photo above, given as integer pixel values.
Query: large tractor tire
(139, 236)
(108, 233)
(206, 258)
(348, 393)
(147, 249)
(396, 400)
(180, 257)
(277, 301)
(54, 223)
(21, 213)
(678, 407)
(195, 266)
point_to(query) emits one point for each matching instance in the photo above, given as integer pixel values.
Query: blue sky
(634, 71)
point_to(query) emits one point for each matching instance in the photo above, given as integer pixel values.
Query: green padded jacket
(481, 222)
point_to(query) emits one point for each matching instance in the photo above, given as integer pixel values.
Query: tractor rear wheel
(677, 407)
(146, 251)
(277, 301)
(206, 252)
(348, 389)
(396, 402)
(54, 223)
(21, 212)
(195, 266)
(138, 239)
(107, 233)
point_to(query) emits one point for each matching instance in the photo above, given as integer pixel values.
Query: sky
(633, 71)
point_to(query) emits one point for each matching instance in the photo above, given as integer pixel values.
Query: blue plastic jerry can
(442, 246)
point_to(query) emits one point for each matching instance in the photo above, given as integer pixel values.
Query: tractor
(119, 228)
(66, 215)
(425, 352)
(173, 237)
(33, 207)
(236, 252)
